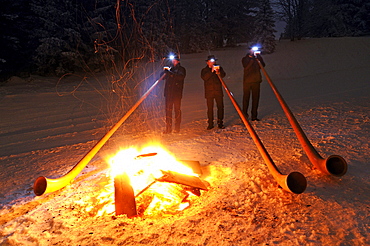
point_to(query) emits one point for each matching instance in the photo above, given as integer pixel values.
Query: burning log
(163, 203)
(153, 183)
(124, 196)
(194, 165)
(159, 196)
(178, 178)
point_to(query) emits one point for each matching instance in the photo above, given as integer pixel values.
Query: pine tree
(66, 31)
(156, 25)
(353, 17)
(264, 24)
(209, 24)
(237, 18)
(16, 46)
(190, 25)
(331, 18)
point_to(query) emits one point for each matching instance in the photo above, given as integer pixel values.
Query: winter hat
(211, 57)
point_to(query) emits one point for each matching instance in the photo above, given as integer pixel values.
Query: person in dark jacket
(173, 89)
(213, 90)
(251, 82)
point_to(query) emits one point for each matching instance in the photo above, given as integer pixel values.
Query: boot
(210, 124)
(220, 124)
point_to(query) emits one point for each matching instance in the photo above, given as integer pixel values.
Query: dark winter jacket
(212, 84)
(174, 81)
(252, 72)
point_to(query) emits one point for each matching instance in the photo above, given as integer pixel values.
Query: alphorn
(45, 185)
(294, 182)
(334, 164)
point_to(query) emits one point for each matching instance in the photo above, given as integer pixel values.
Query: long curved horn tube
(294, 182)
(45, 185)
(334, 164)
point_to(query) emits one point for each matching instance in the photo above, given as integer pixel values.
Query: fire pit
(152, 182)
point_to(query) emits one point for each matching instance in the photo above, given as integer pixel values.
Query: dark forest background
(54, 37)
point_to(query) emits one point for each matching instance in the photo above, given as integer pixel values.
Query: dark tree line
(324, 18)
(62, 36)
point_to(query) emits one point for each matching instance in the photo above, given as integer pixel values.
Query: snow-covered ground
(47, 125)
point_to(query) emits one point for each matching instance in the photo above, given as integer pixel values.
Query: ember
(160, 184)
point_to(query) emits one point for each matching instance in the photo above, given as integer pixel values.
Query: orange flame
(144, 167)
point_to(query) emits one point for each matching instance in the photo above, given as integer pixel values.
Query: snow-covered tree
(264, 27)
(208, 24)
(351, 17)
(318, 18)
(16, 46)
(69, 33)
(295, 13)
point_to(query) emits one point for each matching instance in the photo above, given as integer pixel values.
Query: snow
(48, 126)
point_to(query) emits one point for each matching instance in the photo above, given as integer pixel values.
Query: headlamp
(212, 60)
(256, 50)
(171, 57)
